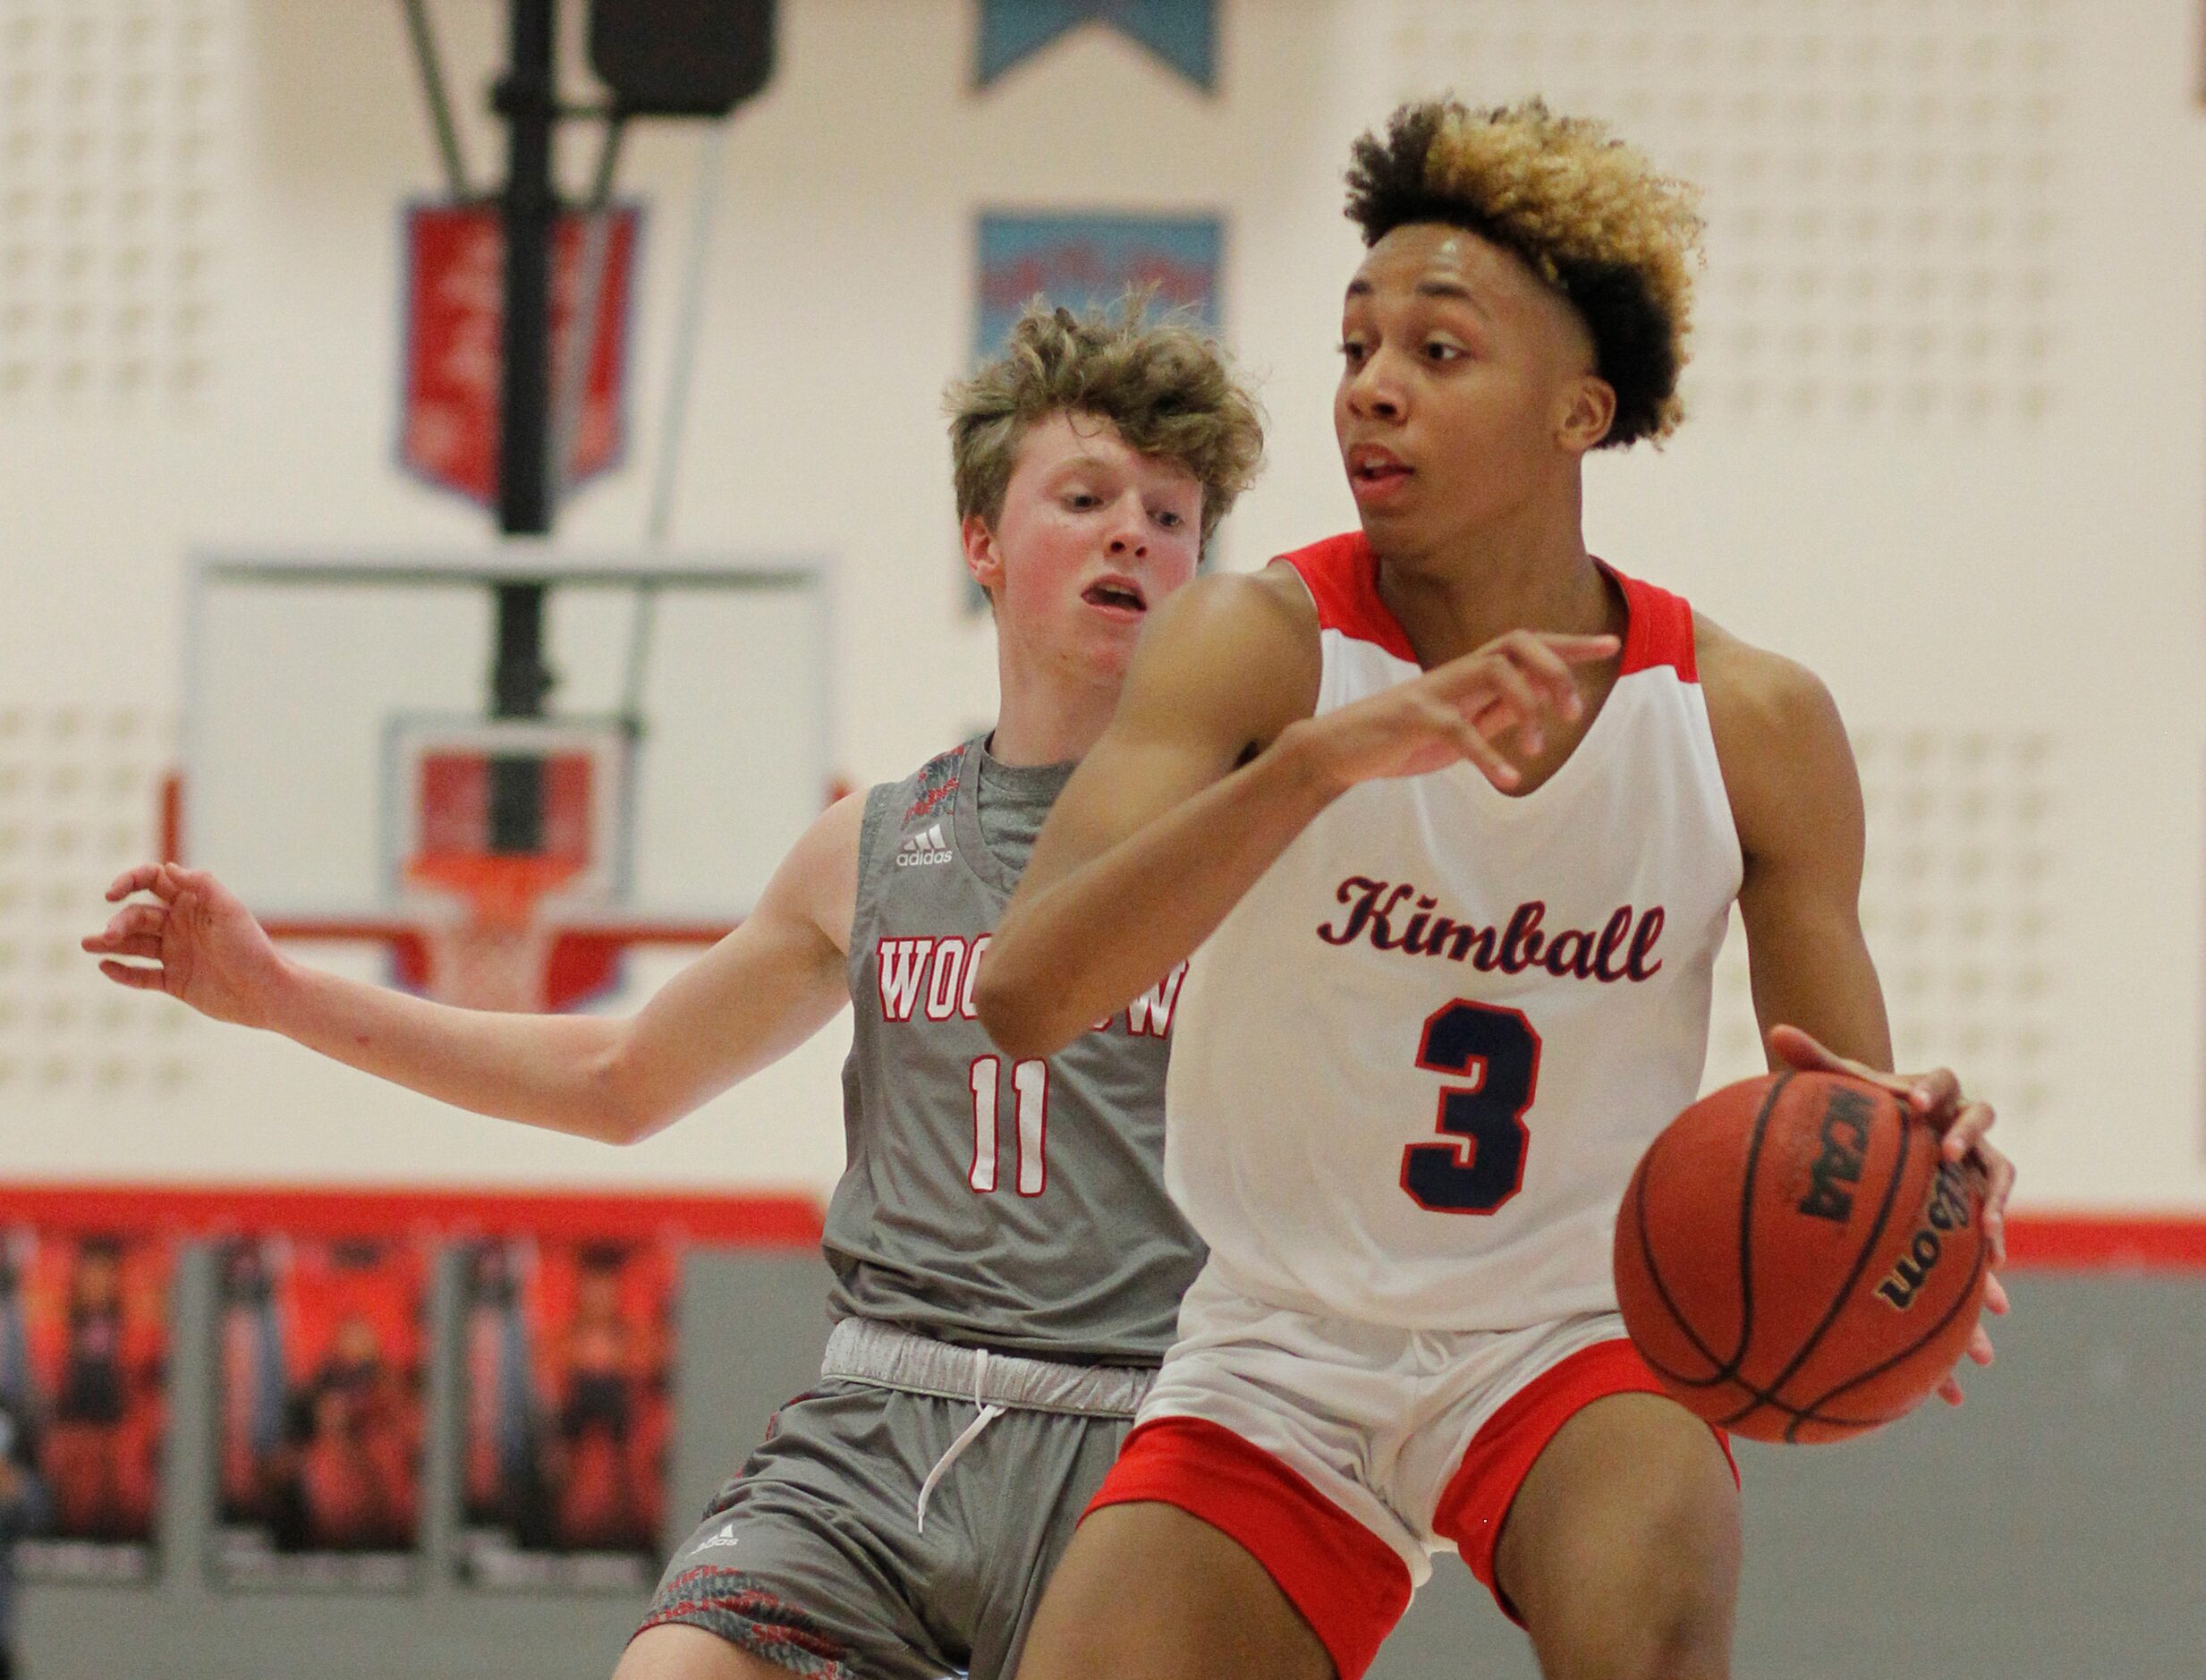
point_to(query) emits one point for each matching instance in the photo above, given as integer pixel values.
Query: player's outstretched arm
(1211, 766)
(1796, 800)
(770, 984)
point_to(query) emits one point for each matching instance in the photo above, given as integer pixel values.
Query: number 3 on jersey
(1482, 1163)
(1031, 1081)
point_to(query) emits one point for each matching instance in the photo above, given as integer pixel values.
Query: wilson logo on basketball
(1838, 1163)
(1948, 1211)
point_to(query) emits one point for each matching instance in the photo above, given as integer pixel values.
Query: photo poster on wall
(1092, 260)
(567, 1351)
(322, 1349)
(84, 1318)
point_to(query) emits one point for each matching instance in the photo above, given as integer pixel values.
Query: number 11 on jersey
(1030, 1081)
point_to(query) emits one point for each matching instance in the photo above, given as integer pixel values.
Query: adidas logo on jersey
(925, 847)
(726, 1537)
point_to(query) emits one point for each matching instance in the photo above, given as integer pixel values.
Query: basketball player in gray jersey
(1007, 1268)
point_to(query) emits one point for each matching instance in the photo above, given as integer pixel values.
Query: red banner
(449, 429)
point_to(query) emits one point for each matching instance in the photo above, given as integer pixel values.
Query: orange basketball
(1797, 1262)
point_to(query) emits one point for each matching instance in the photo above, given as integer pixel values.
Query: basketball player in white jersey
(1454, 972)
(1002, 1291)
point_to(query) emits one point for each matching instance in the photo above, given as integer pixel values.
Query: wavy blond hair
(1171, 392)
(1584, 211)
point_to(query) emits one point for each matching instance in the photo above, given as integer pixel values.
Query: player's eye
(1440, 350)
(1170, 520)
(1081, 498)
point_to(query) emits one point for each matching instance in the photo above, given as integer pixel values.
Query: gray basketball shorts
(816, 1558)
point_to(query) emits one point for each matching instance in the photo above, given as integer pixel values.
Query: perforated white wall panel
(1880, 178)
(79, 794)
(114, 116)
(1959, 911)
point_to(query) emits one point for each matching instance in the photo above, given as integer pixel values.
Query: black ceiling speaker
(681, 57)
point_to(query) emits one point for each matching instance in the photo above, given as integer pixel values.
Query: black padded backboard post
(699, 58)
(528, 98)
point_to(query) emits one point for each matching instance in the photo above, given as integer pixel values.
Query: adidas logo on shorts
(925, 847)
(726, 1537)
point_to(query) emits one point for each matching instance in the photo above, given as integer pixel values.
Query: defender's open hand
(1453, 712)
(1961, 1123)
(205, 946)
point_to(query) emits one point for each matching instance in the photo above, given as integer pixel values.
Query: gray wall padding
(2054, 1528)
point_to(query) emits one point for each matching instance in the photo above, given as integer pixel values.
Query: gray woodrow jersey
(1016, 1206)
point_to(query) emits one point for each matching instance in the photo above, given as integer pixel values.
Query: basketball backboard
(339, 751)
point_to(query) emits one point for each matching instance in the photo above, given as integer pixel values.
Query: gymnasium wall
(1945, 449)
(2021, 1539)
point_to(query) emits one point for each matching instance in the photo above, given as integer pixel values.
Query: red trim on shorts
(1346, 1581)
(1342, 578)
(733, 1606)
(1501, 1454)
(1658, 631)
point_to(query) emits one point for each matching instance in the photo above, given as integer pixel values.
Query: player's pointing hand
(204, 946)
(1453, 713)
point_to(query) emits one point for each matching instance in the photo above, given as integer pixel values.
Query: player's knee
(1655, 1592)
(1688, 1584)
(1682, 1629)
(1672, 1629)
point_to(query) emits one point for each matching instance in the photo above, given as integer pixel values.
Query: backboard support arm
(430, 63)
(528, 99)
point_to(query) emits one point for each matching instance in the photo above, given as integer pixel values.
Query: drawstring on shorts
(990, 1412)
(887, 1356)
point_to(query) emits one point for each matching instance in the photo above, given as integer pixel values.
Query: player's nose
(1129, 536)
(1374, 393)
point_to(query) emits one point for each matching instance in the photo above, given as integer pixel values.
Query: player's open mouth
(1373, 472)
(1115, 596)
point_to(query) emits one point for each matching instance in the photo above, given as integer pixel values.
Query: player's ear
(1588, 411)
(984, 557)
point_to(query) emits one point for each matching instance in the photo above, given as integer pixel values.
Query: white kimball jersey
(1415, 1067)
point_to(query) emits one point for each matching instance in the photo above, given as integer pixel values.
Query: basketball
(1797, 1262)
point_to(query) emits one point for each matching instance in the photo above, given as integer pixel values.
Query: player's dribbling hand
(1453, 713)
(1960, 1123)
(205, 948)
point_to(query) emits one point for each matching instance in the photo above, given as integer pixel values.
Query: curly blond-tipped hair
(1586, 212)
(1171, 393)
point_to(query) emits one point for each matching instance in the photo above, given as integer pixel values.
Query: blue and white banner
(1182, 33)
(1086, 261)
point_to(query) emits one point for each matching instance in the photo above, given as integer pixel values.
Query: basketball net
(492, 953)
